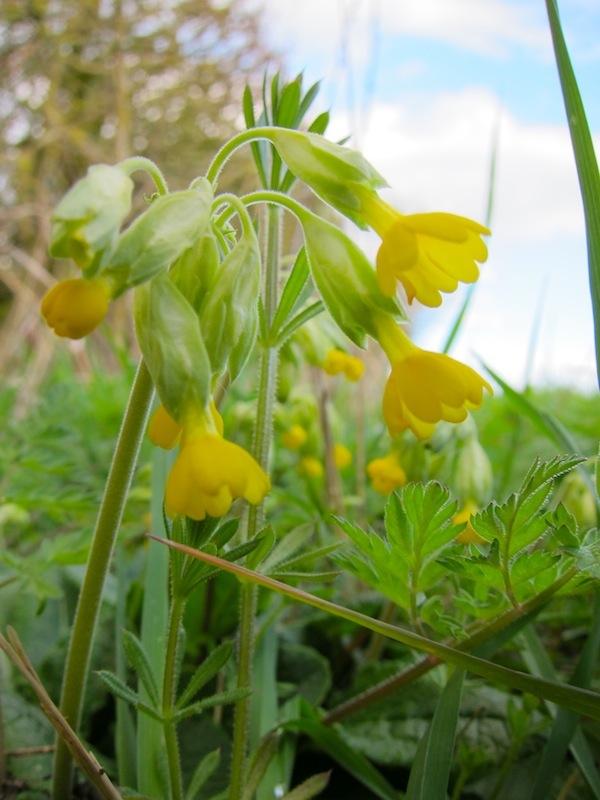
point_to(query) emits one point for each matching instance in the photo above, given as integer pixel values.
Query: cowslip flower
(427, 253)
(311, 467)
(468, 535)
(337, 361)
(424, 387)
(209, 472)
(386, 473)
(294, 437)
(342, 456)
(73, 308)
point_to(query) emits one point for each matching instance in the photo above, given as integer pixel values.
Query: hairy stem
(105, 534)
(169, 697)
(261, 450)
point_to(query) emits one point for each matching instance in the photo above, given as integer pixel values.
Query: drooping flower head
(425, 387)
(386, 473)
(337, 361)
(209, 472)
(427, 253)
(73, 308)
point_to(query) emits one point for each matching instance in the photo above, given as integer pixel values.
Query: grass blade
(585, 159)
(582, 701)
(431, 769)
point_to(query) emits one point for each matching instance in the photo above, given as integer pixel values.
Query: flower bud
(331, 171)
(159, 236)
(473, 477)
(73, 308)
(229, 311)
(195, 272)
(171, 342)
(86, 222)
(345, 279)
(577, 498)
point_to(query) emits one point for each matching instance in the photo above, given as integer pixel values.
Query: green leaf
(118, 688)
(311, 787)
(585, 159)
(329, 740)
(296, 322)
(307, 669)
(431, 769)
(202, 773)
(215, 661)
(291, 292)
(139, 661)
(288, 545)
(221, 699)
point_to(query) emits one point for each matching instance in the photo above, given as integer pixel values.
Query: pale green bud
(473, 477)
(578, 498)
(345, 279)
(86, 222)
(168, 332)
(195, 272)
(229, 311)
(159, 236)
(331, 171)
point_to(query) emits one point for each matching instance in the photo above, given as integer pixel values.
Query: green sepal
(228, 316)
(171, 342)
(331, 171)
(345, 279)
(195, 272)
(86, 222)
(159, 236)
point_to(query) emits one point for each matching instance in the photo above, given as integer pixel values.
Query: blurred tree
(98, 80)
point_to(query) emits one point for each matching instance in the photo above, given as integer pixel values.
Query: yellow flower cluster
(209, 472)
(386, 473)
(337, 361)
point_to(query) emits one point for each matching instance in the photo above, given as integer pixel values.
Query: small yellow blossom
(342, 456)
(386, 473)
(73, 308)
(294, 437)
(425, 387)
(427, 253)
(311, 467)
(337, 361)
(468, 535)
(210, 472)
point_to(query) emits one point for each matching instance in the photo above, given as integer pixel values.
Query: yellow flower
(210, 472)
(294, 437)
(164, 431)
(342, 456)
(427, 253)
(337, 361)
(468, 535)
(386, 473)
(73, 308)
(311, 467)
(425, 387)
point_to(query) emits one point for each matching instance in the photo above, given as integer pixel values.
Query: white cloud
(484, 26)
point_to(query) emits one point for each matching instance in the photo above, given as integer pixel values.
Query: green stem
(261, 450)
(142, 164)
(169, 697)
(105, 534)
(228, 149)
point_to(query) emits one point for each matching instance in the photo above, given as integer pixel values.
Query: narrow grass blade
(431, 769)
(566, 722)
(537, 659)
(585, 159)
(582, 701)
(150, 749)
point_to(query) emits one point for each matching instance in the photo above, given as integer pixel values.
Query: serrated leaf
(215, 661)
(140, 663)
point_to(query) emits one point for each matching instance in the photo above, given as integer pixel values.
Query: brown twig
(87, 761)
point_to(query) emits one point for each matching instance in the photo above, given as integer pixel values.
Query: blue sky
(421, 84)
